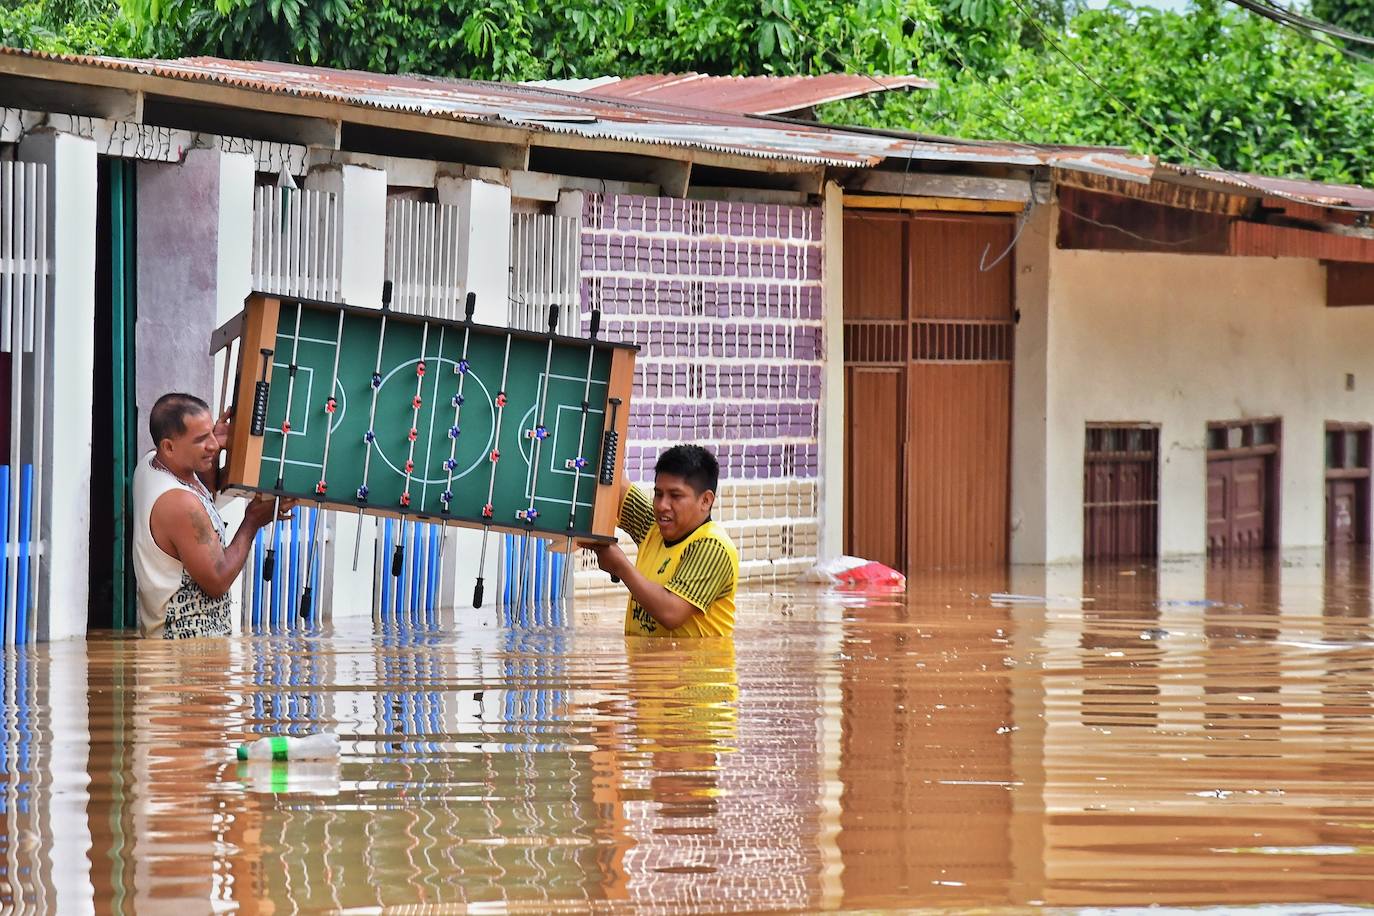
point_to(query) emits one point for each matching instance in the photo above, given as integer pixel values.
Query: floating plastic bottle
(322, 746)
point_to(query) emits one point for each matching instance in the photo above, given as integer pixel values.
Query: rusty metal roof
(759, 95)
(633, 121)
(1313, 192)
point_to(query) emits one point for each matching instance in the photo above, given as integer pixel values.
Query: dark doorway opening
(113, 440)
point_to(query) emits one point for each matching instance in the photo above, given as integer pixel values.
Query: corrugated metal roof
(537, 109)
(760, 95)
(1315, 192)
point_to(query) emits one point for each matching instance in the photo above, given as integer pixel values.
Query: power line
(1271, 10)
(1303, 26)
(1162, 132)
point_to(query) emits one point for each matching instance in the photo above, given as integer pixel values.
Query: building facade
(935, 354)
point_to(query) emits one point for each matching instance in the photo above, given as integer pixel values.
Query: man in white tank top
(183, 561)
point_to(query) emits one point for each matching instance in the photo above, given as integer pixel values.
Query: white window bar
(422, 258)
(296, 244)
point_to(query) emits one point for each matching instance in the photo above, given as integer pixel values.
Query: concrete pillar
(178, 277)
(64, 585)
(484, 269)
(362, 227)
(832, 384)
(483, 243)
(1030, 517)
(349, 592)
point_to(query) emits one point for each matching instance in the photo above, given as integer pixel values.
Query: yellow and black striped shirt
(701, 569)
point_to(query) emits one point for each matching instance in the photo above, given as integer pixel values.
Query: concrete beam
(922, 184)
(67, 98)
(258, 125)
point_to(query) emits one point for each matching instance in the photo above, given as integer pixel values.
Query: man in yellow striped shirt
(682, 584)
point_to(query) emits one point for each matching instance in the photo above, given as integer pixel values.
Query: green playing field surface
(530, 472)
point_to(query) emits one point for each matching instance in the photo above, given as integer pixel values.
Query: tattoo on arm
(205, 535)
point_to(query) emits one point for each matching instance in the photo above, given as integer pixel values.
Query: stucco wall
(1181, 340)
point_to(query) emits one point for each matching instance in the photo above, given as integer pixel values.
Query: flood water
(1187, 735)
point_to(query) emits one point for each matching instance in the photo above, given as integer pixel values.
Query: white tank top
(170, 603)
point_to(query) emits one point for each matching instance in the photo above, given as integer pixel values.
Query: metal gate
(25, 266)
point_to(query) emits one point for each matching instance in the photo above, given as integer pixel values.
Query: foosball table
(452, 422)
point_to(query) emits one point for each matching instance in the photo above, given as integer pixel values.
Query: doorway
(1120, 491)
(113, 417)
(1347, 484)
(1242, 485)
(928, 337)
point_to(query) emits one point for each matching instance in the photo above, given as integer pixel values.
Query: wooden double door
(1238, 503)
(928, 358)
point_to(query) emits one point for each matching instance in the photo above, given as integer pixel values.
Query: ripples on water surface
(1191, 737)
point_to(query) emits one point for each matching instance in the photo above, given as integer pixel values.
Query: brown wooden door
(1237, 504)
(929, 314)
(1120, 493)
(875, 353)
(875, 431)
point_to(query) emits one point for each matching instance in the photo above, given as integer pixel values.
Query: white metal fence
(422, 258)
(296, 242)
(25, 266)
(545, 267)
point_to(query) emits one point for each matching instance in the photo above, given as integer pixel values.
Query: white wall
(1180, 340)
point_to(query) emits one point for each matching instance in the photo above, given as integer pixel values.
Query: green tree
(67, 27)
(1211, 86)
(1215, 86)
(514, 39)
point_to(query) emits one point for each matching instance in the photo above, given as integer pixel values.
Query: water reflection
(1187, 733)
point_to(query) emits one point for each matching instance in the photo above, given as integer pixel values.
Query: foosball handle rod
(469, 307)
(477, 593)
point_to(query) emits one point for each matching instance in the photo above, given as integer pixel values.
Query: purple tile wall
(724, 298)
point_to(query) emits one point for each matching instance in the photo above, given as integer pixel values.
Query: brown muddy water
(1188, 736)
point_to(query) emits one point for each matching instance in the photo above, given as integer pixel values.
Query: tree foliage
(67, 27)
(1210, 86)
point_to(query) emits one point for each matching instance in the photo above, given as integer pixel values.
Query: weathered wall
(178, 279)
(1181, 340)
(725, 301)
